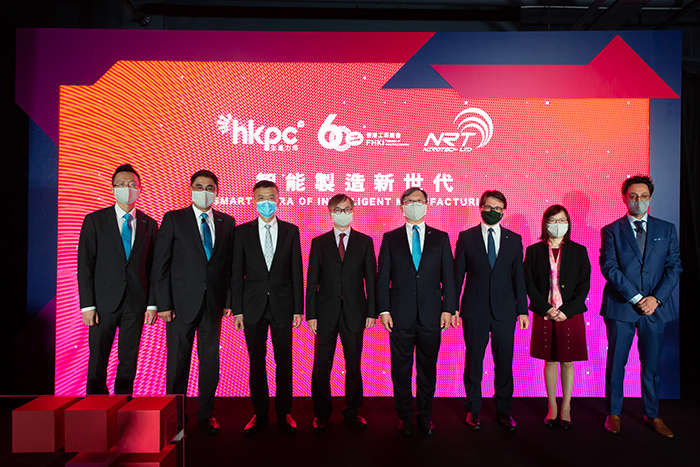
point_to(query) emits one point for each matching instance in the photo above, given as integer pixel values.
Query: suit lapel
(281, 235)
(651, 231)
(218, 229)
(403, 243)
(194, 222)
(110, 216)
(255, 239)
(505, 241)
(628, 234)
(332, 247)
(479, 245)
(428, 244)
(140, 232)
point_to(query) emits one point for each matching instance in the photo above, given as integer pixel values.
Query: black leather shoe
(549, 422)
(255, 424)
(357, 421)
(406, 427)
(473, 421)
(209, 426)
(425, 425)
(287, 424)
(506, 422)
(319, 424)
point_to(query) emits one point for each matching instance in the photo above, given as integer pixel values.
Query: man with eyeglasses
(115, 253)
(640, 260)
(191, 272)
(415, 297)
(494, 299)
(340, 300)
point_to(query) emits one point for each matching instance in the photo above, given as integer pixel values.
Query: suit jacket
(182, 274)
(353, 279)
(411, 295)
(252, 283)
(574, 277)
(501, 291)
(628, 274)
(104, 273)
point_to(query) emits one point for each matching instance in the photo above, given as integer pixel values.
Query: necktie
(341, 247)
(126, 235)
(206, 236)
(268, 246)
(641, 236)
(491, 251)
(416, 247)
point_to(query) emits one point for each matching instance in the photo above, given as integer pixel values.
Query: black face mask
(491, 217)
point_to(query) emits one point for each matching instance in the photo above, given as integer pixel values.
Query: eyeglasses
(347, 210)
(635, 197)
(421, 202)
(552, 220)
(488, 208)
(200, 187)
(131, 184)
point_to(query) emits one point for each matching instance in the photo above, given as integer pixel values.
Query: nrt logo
(471, 118)
(341, 138)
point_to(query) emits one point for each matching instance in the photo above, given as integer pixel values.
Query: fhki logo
(268, 137)
(469, 119)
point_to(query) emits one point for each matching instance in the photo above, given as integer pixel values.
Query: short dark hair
(125, 168)
(266, 184)
(337, 199)
(204, 173)
(412, 190)
(493, 194)
(645, 179)
(553, 210)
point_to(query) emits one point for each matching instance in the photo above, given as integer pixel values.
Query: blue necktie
(416, 247)
(492, 248)
(126, 235)
(206, 236)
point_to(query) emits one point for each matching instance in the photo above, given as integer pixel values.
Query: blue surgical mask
(266, 208)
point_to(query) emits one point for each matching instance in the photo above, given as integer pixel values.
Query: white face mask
(126, 195)
(557, 230)
(342, 219)
(415, 211)
(203, 199)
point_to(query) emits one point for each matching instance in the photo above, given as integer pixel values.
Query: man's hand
(167, 316)
(150, 317)
(313, 325)
(238, 323)
(387, 322)
(227, 312)
(296, 321)
(445, 321)
(551, 314)
(91, 318)
(524, 321)
(369, 323)
(560, 316)
(648, 305)
(455, 319)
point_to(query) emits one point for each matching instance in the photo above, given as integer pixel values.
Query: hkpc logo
(271, 138)
(336, 137)
(459, 141)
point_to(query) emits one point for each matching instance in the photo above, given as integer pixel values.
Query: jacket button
(417, 276)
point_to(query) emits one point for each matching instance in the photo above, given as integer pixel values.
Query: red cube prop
(146, 424)
(94, 459)
(91, 424)
(165, 458)
(37, 426)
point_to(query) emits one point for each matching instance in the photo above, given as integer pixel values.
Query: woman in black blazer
(558, 278)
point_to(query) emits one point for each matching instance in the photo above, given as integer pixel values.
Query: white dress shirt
(421, 235)
(210, 223)
(632, 220)
(274, 228)
(496, 236)
(345, 239)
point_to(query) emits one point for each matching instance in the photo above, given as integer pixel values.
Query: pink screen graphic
(322, 128)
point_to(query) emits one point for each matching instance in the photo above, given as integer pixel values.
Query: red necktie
(341, 247)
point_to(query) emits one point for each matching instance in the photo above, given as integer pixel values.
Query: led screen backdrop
(369, 129)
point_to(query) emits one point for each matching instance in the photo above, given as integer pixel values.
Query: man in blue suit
(640, 261)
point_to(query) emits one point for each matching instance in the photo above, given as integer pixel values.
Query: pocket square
(659, 238)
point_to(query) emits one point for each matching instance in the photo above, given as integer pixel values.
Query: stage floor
(585, 444)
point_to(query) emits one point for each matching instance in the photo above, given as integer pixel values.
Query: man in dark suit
(115, 253)
(191, 272)
(640, 261)
(415, 297)
(267, 285)
(340, 300)
(494, 298)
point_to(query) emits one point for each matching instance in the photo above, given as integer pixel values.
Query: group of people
(199, 267)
